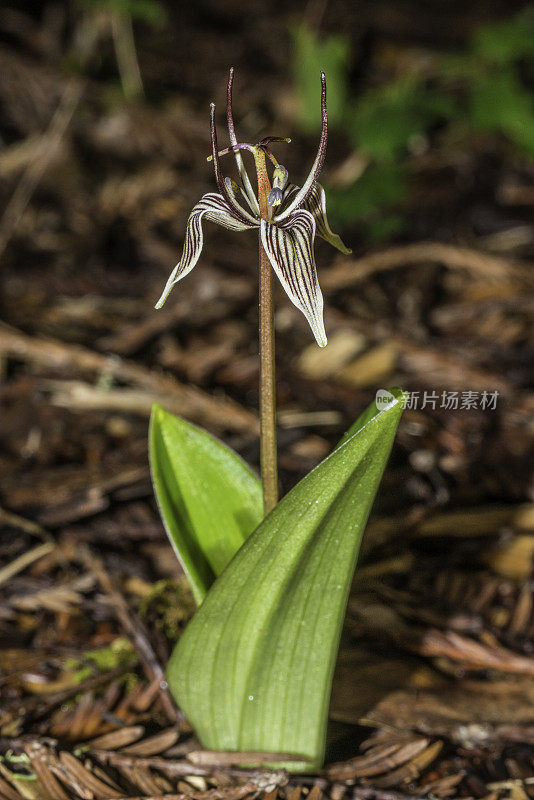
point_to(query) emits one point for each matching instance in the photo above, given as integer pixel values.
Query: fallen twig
(37, 707)
(23, 524)
(36, 168)
(135, 631)
(24, 560)
(483, 265)
(194, 403)
(433, 643)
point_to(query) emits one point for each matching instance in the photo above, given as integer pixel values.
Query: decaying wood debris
(436, 665)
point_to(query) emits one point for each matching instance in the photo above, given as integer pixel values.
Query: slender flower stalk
(288, 217)
(268, 447)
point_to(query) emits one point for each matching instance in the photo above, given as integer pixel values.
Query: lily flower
(287, 223)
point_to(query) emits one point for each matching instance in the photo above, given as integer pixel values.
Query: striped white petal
(287, 193)
(316, 205)
(289, 247)
(215, 209)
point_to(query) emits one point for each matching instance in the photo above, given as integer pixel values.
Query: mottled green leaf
(208, 498)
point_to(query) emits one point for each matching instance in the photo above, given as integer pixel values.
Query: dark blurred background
(429, 176)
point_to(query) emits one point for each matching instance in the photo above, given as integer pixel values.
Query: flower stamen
(234, 149)
(232, 202)
(302, 195)
(233, 141)
(280, 177)
(288, 217)
(271, 139)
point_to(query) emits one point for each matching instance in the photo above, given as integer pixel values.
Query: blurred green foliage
(384, 120)
(501, 104)
(149, 11)
(311, 55)
(371, 200)
(483, 89)
(504, 42)
(121, 15)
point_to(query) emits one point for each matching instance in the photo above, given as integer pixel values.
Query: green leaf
(253, 670)
(368, 415)
(149, 11)
(507, 41)
(208, 498)
(500, 103)
(386, 119)
(371, 200)
(311, 55)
